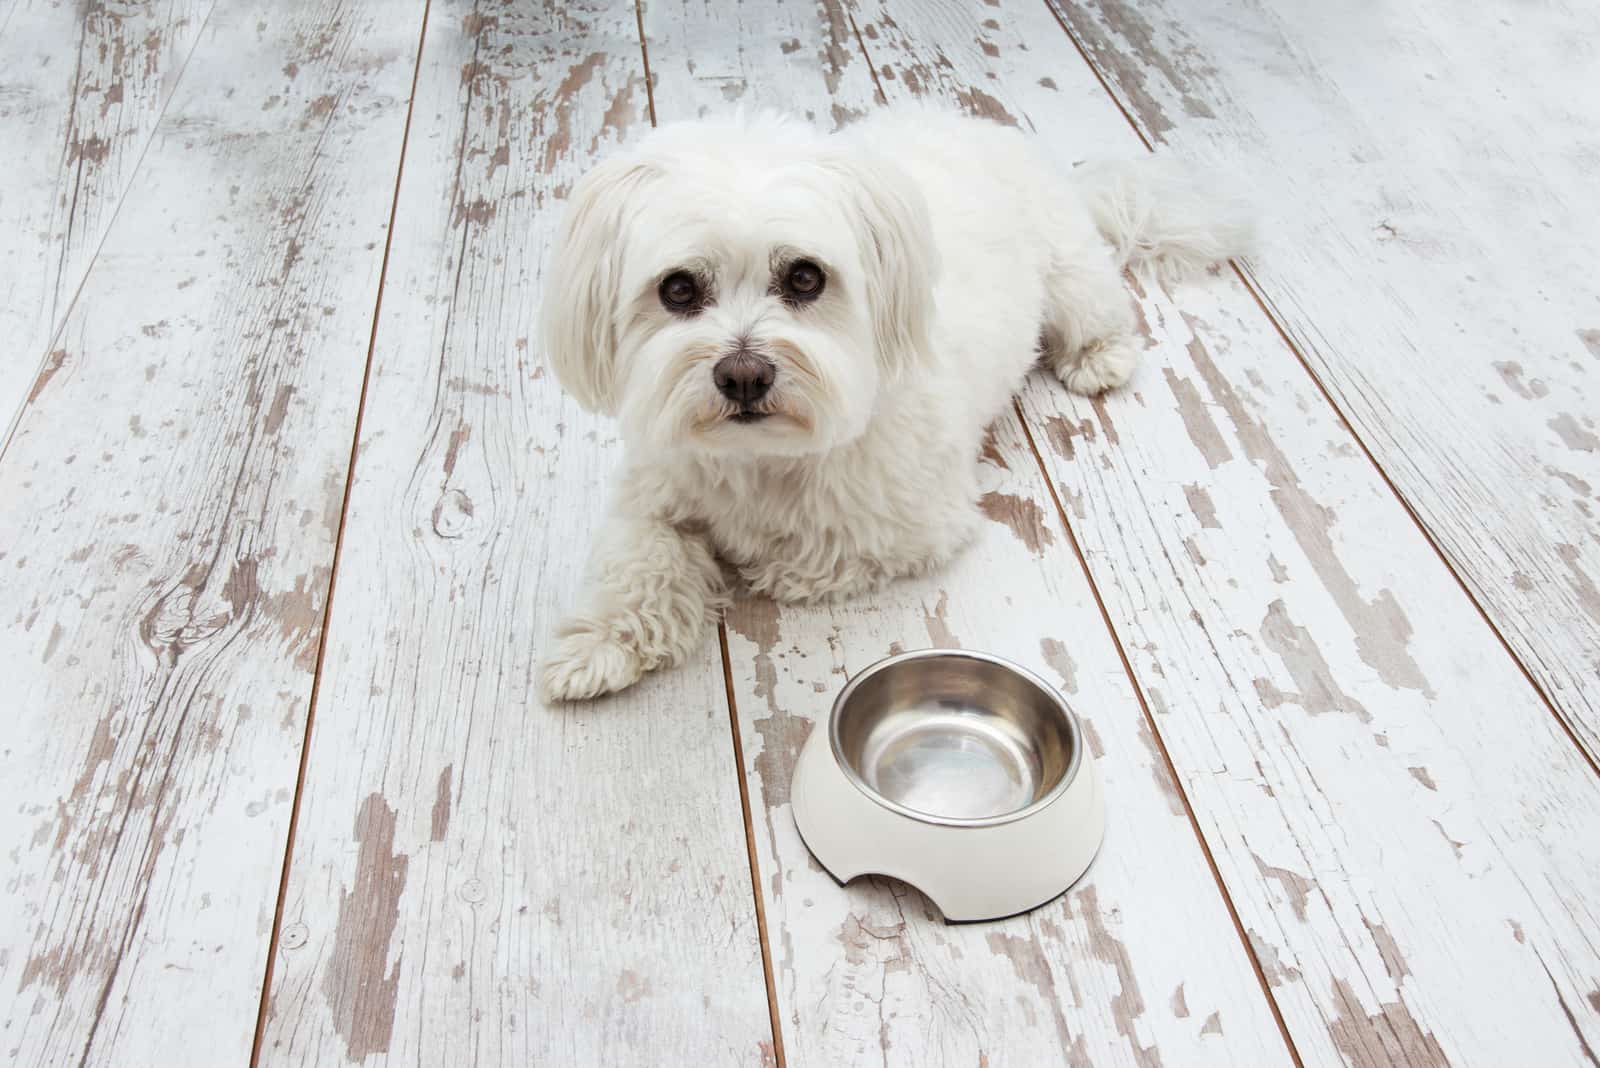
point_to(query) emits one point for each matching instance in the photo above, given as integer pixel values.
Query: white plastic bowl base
(984, 872)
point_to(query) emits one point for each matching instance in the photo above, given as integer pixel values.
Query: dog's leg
(1088, 333)
(651, 590)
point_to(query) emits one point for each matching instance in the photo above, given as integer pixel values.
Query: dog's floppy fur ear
(897, 248)
(578, 321)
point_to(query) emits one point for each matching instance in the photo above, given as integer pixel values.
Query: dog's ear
(583, 279)
(897, 248)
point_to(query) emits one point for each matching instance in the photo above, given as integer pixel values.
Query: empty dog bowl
(958, 773)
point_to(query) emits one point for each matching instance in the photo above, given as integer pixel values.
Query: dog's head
(740, 286)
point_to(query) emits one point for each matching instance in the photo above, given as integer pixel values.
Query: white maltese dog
(804, 337)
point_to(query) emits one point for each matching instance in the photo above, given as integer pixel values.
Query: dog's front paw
(1101, 365)
(587, 663)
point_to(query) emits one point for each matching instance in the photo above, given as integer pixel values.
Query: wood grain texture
(1428, 179)
(476, 878)
(1112, 972)
(171, 500)
(1384, 794)
(81, 89)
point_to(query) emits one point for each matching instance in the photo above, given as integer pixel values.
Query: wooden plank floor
(288, 504)
(81, 91)
(1429, 257)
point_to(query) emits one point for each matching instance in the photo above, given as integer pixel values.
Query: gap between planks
(333, 573)
(1155, 732)
(83, 278)
(1248, 280)
(750, 847)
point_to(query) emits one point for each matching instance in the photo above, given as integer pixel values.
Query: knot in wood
(452, 515)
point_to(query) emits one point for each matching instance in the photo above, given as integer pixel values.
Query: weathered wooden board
(172, 497)
(1140, 963)
(81, 89)
(1409, 837)
(1429, 178)
(476, 878)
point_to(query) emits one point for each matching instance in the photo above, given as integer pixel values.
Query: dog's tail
(1160, 220)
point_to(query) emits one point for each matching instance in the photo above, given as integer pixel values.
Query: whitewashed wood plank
(172, 497)
(1408, 836)
(1429, 178)
(81, 89)
(1114, 972)
(476, 878)
(1386, 845)
(800, 59)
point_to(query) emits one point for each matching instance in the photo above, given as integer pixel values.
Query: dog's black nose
(744, 377)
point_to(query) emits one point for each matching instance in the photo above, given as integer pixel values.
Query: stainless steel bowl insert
(952, 737)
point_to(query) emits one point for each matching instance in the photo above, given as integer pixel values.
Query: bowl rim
(1074, 733)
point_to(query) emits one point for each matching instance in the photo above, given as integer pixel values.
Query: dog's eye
(680, 292)
(804, 281)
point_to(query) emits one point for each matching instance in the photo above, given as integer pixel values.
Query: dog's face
(742, 287)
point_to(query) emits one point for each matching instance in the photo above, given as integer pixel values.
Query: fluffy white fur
(953, 258)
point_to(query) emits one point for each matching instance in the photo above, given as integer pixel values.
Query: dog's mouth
(751, 426)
